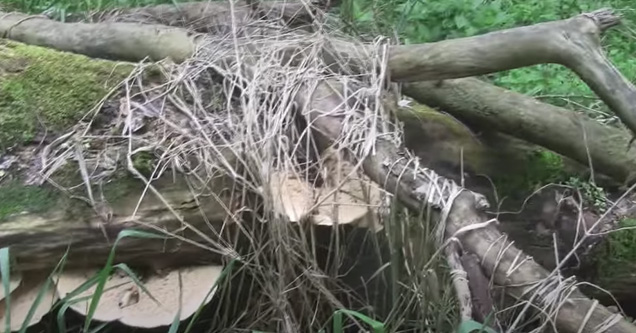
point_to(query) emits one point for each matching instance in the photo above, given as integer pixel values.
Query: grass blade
(136, 280)
(5, 267)
(105, 272)
(223, 275)
(376, 326)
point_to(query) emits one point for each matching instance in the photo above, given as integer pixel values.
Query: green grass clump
(48, 90)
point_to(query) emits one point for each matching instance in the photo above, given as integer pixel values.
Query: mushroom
(14, 282)
(348, 196)
(123, 300)
(291, 197)
(23, 298)
(347, 208)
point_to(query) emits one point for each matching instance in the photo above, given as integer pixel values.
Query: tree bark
(574, 43)
(478, 158)
(39, 240)
(466, 220)
(606, 149)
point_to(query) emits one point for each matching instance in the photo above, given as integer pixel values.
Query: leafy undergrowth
(417, 21)
(60, 9)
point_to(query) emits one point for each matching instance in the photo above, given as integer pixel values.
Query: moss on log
(44, 93)
(42, 90)
(491, 161)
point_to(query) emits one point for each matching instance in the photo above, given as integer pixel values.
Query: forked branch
(574, 43)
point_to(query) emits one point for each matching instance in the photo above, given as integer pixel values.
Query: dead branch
(115, 41)
(574, 43)
(563, 131)
(507, 266)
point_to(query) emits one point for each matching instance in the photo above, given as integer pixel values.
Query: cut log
(607, 149)
(444, 139)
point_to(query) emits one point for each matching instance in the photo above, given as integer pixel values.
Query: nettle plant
(592, 194)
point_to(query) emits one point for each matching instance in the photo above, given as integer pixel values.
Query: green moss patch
(618, 254)
(541, 167)
(44, 89)
(16, 198)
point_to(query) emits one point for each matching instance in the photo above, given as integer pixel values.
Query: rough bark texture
(39, 240)
(608, 149)
(465, 220)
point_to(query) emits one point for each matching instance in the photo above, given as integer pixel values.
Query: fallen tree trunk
(606, 149)
(38, 241)
(574, 43)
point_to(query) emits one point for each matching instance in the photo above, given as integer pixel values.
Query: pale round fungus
(23, 298)
(125, 301)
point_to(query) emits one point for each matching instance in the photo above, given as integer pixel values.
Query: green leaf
(376, 326)
(461, 21)
(105, 272)
(48, 284)
(471, 326)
